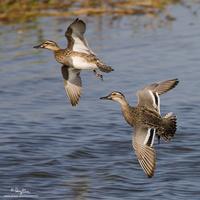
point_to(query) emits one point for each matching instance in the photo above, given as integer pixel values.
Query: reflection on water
(60, 152)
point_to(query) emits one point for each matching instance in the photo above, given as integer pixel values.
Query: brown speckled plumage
(64, 56)
(76, 57)
(147, 121)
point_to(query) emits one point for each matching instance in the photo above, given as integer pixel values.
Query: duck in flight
(76, 57)
(147, 121)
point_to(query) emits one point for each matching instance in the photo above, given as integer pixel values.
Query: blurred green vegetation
(12, 11)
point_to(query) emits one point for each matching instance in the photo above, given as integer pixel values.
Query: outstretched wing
(162, 87)
(149, 95)
(72, 83)
(142, 141)
(75, 36)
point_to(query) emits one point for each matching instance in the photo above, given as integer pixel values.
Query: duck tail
(168, 127)
(105, 68)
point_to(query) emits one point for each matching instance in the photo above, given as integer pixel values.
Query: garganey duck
(76, 57)
(147, 121)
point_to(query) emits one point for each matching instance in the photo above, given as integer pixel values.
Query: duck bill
(106, 97)
(38, 46)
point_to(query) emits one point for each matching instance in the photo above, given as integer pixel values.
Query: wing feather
(75, 36)
(149, 95)
(162, 87)
(72, 83)
(146, 154)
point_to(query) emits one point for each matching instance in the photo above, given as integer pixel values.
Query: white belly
(81, 63)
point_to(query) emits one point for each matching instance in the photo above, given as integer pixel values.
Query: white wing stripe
(149, 134)
(154, 133)
(147, 137)
(156, 100)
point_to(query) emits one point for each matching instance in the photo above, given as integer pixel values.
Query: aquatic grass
(12, 11)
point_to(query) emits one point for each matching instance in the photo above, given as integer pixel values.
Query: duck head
(115, 96)
(48, 44)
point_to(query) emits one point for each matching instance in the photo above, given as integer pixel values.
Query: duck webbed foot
(98, 75)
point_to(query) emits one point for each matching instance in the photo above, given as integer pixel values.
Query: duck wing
(142, 142)
(72, 83)
(163, 87)
(149, 95)
(75, 36)
(149, 99)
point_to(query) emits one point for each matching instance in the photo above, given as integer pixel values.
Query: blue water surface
(59, 152)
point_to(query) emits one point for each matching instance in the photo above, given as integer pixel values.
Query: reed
(12, 11)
